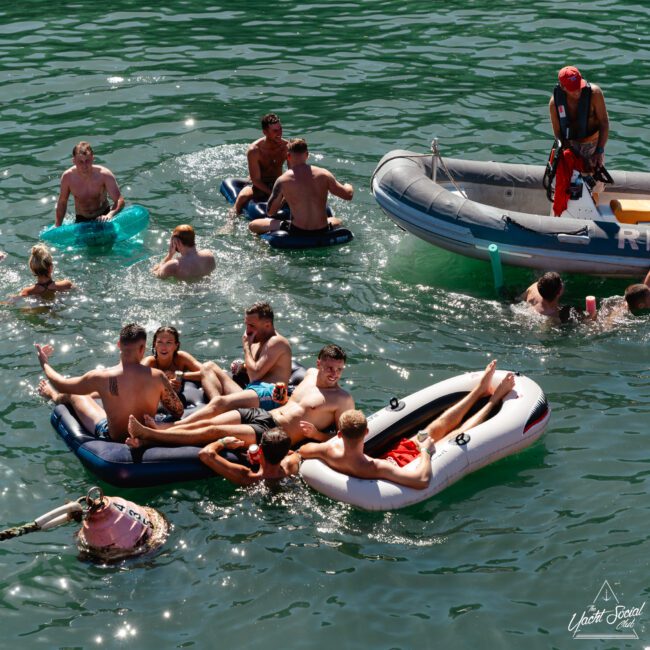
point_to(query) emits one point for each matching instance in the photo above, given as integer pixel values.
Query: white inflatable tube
(521, 420)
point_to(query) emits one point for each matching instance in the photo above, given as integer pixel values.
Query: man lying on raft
(128, 388)
(276, 461)
(265, 159)
(305, 188)
(316, 405)
(350, 459)
(267, 358)
(90, 185)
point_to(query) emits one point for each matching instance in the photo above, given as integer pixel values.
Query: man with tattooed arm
(128, 388)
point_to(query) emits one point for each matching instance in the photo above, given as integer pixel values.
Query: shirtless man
(90, 185)
(127, 389)
(190, 263)
(305, 188)
(353, 427)
(316, 405)
(579, 117)
(265, 159)
(267, 357)
(276, 462)
(544, 295)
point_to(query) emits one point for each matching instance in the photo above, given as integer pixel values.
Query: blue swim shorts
(264, 391)
(101, 430)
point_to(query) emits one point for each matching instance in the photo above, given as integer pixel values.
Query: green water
(169, 96)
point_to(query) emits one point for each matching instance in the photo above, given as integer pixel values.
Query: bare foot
(46, 390)
(506, 385)
(486, 379)
(137, 434)
(150, 422)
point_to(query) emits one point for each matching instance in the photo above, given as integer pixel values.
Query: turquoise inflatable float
(128, 223)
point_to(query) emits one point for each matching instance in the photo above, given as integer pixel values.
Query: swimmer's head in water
(185, 234)
(262, 310)
(275, 444)
(165, 329)
(637, 297)
(334, 352)
(353, 424)
(40, 261)
(132, 333)
(550, 286)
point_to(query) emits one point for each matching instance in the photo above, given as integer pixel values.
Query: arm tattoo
(112, 386)
(172, 402)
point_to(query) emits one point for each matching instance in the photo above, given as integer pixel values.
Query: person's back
(129, 389)
(544, 295)
(190, 263)
(42, 266)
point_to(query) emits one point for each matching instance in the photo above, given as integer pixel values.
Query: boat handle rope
(72, 511)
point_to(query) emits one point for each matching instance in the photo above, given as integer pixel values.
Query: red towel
(403, 452)
(565, 166)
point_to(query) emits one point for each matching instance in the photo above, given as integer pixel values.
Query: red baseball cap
(570, 78)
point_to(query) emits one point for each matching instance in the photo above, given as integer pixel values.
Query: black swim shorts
(105, 209)
(259, 420)
(293, 230)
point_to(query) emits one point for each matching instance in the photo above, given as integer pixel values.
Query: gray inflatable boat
(464, 206)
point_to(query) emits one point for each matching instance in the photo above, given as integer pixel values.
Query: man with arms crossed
(353, 427)
(127, 389)
(305, 188)
(265, 159)
(316, 405)
(267, 357)
(90, 185)
(190, 263)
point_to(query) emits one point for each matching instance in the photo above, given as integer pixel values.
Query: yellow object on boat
(631, 210)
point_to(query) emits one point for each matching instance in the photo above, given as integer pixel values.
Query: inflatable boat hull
(521, 420)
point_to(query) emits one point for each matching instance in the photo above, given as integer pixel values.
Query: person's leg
(201, 435)
(262, 226)
(334, 222)
(454, 415)
(88, 411)
(243, 198)
(216, 381)
(504, 387)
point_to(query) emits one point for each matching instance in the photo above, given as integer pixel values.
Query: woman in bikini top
(42, 266)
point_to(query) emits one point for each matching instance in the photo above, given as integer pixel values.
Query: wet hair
(550, 285)
(268, 119)
(185, 233)
(262, 309)
(275, 444)
(165, 329)
(82, 147)
(297, 145)
(132, 333)
(334, 352)
(637, 295)
(40, 261)
(353, 424)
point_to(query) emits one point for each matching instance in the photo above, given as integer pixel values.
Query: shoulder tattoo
(112, 386)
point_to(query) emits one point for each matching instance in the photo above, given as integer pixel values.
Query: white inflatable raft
(520, 421)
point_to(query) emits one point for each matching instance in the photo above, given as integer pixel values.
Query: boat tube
(521, 419)
(464, 206)
(126, 224)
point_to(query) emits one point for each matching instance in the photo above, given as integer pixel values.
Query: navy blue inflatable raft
(230, 189)
(119, 464)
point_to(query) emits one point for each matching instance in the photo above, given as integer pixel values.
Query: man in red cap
(579, 117)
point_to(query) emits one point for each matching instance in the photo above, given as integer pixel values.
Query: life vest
(579, 129)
